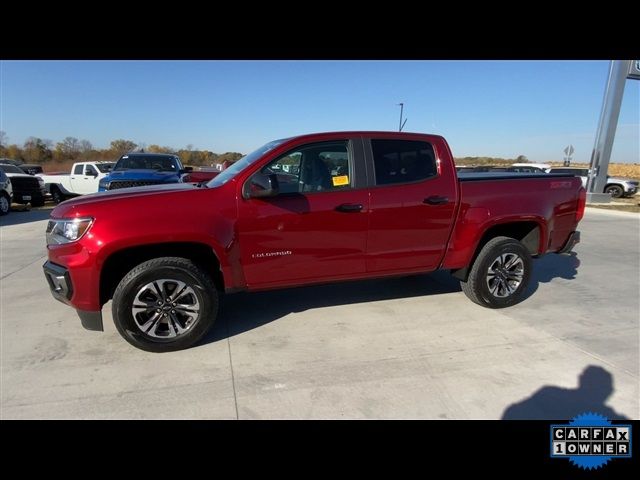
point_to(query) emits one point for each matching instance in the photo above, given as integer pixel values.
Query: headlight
(67, 230)
(104, 184)
(41, 182)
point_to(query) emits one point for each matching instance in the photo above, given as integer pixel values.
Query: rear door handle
(435, 200)
(349, 207)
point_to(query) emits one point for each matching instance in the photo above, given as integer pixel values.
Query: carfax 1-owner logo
(590, 441)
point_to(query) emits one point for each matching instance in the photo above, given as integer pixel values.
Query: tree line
(490, 160)
(71, 149)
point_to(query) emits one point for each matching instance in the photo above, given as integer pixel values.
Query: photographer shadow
(595, 385)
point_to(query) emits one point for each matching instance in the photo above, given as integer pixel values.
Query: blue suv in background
(140, 169)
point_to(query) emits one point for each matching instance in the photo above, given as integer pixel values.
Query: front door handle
(435, 200)
(349, 207)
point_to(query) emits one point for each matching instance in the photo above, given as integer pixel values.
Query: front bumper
(59, 282)
(61, 288)
(572, 241)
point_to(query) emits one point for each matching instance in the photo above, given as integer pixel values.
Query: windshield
(105, 167)
(148, 162)
(10, 169)
(243, 163)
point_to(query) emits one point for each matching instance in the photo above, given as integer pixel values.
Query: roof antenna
(401, 124)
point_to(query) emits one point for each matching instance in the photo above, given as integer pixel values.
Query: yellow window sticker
(341, 180)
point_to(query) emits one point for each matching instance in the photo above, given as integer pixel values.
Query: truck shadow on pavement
(242, 312)
(18, 215)
(595, 385)
(550, 267)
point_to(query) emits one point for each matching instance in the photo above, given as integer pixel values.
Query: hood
(124, 193)
(622, 179)
(155, 175)
(20, 175)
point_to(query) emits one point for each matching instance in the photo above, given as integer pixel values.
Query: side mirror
(91, 174)
(188, 169)
(261, 185)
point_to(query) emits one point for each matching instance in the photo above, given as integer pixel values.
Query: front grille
(26, 185)
(130, 183)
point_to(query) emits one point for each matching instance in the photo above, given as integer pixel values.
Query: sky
(483, 108)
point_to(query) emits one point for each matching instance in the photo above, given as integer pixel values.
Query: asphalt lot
(411, 347)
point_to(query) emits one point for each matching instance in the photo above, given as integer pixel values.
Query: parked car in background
(83, 179)
(6, 193)
(142, 169)
(498, 169)
(30, 168)
(540, 166)
(525, 168)
(203, 174)
(26, 188)
(617, 187)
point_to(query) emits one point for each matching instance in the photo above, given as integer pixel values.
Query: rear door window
(403, 161)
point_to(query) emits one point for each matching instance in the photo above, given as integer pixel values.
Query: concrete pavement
(411, 347)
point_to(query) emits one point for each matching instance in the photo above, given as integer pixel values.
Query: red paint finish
(488, 203)
(264, 243)
(405, 232)
(302, 238)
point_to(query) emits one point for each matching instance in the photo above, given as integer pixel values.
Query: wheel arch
(617, 185)
(530, 233)
(119, 263)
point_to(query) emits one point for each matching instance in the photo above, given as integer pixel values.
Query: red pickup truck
(308, 209)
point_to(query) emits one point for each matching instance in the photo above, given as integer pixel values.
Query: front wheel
(5, 204)
(500, 274)
(165, 304)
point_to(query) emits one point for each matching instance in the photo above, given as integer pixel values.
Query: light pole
(401, 124)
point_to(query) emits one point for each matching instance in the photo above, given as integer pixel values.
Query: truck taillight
(582, 202)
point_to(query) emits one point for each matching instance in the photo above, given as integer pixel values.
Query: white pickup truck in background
(83, 179)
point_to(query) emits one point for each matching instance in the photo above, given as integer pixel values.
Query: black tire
(5, 204)
(160, 272)
(57, 195)
(477, 287)
(615, 191)
(38, 202)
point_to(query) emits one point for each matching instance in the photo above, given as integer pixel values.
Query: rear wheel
(500, 274)
(56, 195)
(165, 304)
(615, 191)
(5, 204)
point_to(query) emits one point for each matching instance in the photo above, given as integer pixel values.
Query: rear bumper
(61, 288)
(572, 241)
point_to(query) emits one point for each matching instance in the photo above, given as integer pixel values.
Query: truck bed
(545, 200)
(475, 176)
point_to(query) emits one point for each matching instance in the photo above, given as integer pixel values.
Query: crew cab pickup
(303, 210)
(83, 179)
